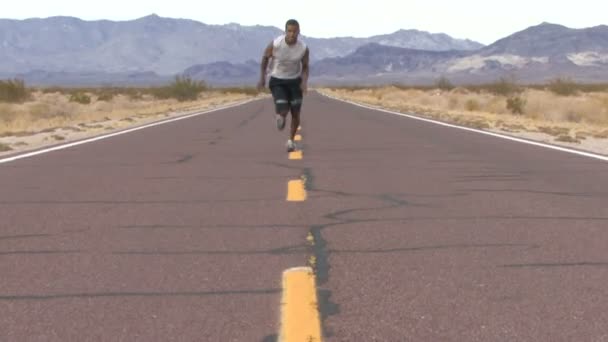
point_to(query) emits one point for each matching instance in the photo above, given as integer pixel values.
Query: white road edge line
(553, 147)
(128, 130)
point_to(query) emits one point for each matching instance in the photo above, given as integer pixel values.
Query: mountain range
(153, 49)
(536, 54)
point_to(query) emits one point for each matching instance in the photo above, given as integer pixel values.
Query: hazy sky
(483, 21)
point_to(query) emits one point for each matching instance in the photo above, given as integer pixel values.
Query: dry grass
(49, 110)
(602, 135)
(568, 118)
(55, 115)
(5, 147)
(13, 91)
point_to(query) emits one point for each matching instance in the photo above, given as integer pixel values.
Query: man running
(288, 76)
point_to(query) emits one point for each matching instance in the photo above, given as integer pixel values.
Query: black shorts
(287, 94)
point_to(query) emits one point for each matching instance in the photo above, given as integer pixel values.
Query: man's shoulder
(278, 40)
(302, 42)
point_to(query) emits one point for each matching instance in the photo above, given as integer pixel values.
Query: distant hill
(152, 49)
(164, 45)
(535, 54)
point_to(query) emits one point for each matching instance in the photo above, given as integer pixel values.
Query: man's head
(292, 30)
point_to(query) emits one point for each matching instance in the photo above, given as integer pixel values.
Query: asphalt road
(181, 231)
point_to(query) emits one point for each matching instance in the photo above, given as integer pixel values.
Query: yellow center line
(295, 155)
(300, 309)
(296, 191)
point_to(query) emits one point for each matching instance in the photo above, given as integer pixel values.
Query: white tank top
(286, 63)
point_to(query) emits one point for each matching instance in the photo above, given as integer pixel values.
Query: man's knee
(282, 107)
(296, 106)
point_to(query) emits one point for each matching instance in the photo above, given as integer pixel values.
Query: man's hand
(261, 83)
(264, 66)
(304, 87)
(305, 69)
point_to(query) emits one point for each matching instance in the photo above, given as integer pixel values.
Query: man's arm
(305, 71)
(264, 65)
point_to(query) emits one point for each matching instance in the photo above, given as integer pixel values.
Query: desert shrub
(80, 97)
(5, 147)
(563, 86)
(503, 87)
(516, 104)
(472, 105)
(444, 83)
(105, 96)
(183, 89)
(13, 91)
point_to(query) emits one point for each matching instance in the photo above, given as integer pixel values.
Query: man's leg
(295, 104)
(295, 122)
(280, 118)
(281, 104)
